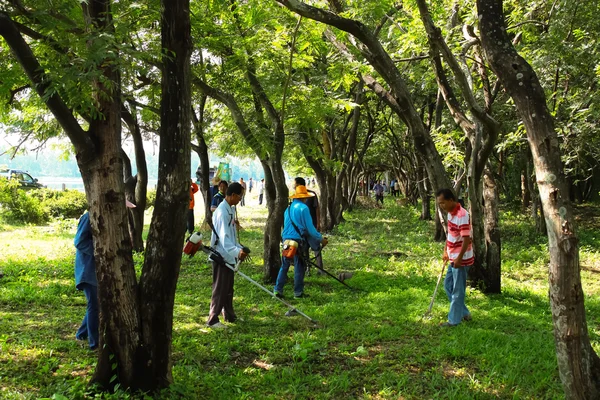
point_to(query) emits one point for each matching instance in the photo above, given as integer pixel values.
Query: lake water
(74, 183)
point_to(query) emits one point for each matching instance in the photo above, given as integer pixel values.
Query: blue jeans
(455, 285)
(89, 326)
(299, 270)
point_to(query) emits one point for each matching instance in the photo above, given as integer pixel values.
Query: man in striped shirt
(459, 252)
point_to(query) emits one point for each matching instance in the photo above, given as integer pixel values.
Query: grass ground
(369, 345)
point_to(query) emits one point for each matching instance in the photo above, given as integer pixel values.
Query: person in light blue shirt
(224, 241)
(85, 280)
(298, 226)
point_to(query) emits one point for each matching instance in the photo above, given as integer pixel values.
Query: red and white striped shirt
(459, 227)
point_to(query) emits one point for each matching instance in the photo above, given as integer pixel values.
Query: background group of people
(380, 188)
(300, 235)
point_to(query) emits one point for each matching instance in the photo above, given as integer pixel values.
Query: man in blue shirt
(85, 280)
(378, 188)
(298, 226)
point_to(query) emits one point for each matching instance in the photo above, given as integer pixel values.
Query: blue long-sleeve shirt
(300, 214)
(85, 265)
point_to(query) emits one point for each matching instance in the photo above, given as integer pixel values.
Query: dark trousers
(222, 294)
(89, 326)
(190, 221)
(260, 199)
(379, 198)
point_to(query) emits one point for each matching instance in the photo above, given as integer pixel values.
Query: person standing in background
(250, 185)
(190, 214)
(261, 191)
(220, 196)
(378, 188)
(243, 184)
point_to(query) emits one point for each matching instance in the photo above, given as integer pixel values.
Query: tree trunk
(136, 188)
(276, 193)
(525, 193)
(103, 181)
(491, 199)
(202, 151)
(440, 234)
(423, 192)
(578, 364)
(477, 271)
(165, 238)
(134, 341)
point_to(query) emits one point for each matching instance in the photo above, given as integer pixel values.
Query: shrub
(63, 204)
(150, 198)
(18, 206)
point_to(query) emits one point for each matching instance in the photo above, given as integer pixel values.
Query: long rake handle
(436, 289)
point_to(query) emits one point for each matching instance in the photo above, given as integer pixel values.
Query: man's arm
(308, 224)
(465, 245)
(83, 238)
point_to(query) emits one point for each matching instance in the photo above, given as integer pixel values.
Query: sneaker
(447, 325)
(278, 295)
(467, 317)
(217, 325)
(301, 296)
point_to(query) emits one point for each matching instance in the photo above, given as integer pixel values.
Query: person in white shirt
(224, 241)
(261, 191)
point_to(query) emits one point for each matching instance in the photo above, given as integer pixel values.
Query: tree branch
(42, 83)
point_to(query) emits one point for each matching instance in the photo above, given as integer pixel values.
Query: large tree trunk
(578, 364)
(423, 193)
(491, 199)
(136, 187)
(135, 341)
(165, 238)
(276, 193)
(103, 181)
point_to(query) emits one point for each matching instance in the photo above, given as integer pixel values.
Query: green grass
(369, 345)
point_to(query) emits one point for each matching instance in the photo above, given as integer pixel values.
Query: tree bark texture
(493, 244)
(165, 238)
(578, 364)
(136, 187)
(202, 151)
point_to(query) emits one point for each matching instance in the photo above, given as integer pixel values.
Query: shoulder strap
(292, 221)
(210, 223)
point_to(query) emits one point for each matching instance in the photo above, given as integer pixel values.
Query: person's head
(241, 179)
(223, 186)
(301, 193)
(234, 194)
(299, 181)
(262, 180)
(446, 199)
